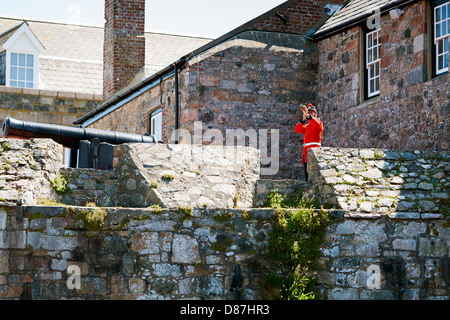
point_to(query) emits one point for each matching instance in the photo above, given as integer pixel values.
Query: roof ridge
(51, 22)
(98, 27)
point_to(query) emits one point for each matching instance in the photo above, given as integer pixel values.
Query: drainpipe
(177, 100)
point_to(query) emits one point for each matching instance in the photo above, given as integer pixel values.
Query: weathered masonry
(389, 237)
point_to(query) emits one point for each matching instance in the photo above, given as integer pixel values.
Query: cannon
(95, 147)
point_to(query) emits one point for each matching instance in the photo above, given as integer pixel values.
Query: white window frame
(156, 124)
(373, 62)
(34, 68)
(442, 39)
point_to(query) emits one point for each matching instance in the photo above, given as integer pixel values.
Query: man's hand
(304, 109)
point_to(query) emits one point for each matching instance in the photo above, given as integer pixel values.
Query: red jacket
(313, 133)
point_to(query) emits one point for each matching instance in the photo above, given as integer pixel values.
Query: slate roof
(4, 36)
(353, 10)
(73, 60)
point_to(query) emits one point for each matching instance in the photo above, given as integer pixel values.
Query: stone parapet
(400, 184)
(186, 175)
(27, 168)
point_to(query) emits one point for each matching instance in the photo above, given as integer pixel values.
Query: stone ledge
(50, 93)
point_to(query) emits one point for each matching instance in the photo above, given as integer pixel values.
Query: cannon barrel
(69, 137)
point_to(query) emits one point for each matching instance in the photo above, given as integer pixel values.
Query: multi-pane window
(21, 70)
(441, 36)
(373, 61)
(156, 124)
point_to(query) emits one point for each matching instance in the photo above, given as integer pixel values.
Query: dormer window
(19, 57)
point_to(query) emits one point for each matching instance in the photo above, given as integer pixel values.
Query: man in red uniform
(312, 130)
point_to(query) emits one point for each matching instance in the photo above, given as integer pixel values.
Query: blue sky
(196, 17)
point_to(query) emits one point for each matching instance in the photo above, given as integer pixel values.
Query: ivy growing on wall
(295, 241)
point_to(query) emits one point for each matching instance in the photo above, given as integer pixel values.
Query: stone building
(397, 98)
(255, 77)
(251, 79)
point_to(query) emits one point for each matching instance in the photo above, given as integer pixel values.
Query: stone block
(343, 294)
(4, 261)
(145, 243)
(372, 174)
(208, 286)
(137, 285)
(404, 215)
(3, 219)
(56, 243)
(185, 249)
(417, 75)
(404, 244)
(432, 247)
(167, 270)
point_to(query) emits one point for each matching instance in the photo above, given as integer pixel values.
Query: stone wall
(375, 182)
(138, 254)
(386, 259)
(254, 81)
(26, 169)
(394, 240)
(186, 175)
(170, 176)
(260, 90)
(210, 254)
(90, 186)
(390, 238)
(412, 110)
(45, 106)
(264, 187)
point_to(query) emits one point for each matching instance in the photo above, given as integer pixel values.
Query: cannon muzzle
(69, 137)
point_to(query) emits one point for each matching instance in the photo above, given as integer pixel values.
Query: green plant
(295, 241)
(221, 217)
(6, 146)
(51, 202)
(297, 288)
(93, 219)
(273, 200)
(236, 200)
(59, 184)
(222, 244)
(156, 209)
(154, 185)
(167, 177)
(187, 211)
(293, 200)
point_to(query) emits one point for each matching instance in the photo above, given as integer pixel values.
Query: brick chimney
(124, 44)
